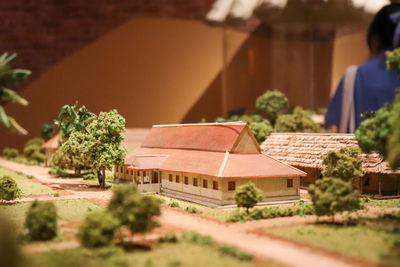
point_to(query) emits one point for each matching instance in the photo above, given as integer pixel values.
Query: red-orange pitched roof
(215, 164)
(52, 142)
(208, 136)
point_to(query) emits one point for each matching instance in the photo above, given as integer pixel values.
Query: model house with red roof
(50, 148)
(206, 162)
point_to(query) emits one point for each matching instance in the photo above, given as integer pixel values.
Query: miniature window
(131, 172)
(144, 173)
(138, 173)
(155, 178)
(215, 185)
(367, 181)
(170, 177)
(232, 186)
(194, 181)
(205, 183)
(186, 180)
(289, 183)
(177, 178)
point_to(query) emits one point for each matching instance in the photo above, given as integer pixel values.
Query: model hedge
(41, 221)
(8, 77)
(247, 196)
(9, 189)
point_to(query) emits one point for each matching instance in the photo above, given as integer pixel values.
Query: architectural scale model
(206, 162)
(305, 151)
(50, 148)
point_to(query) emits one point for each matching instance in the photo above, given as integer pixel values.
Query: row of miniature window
(231, 185)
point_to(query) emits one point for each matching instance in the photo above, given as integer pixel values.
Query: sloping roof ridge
(201, 124)
(283, 163)
(191, 149)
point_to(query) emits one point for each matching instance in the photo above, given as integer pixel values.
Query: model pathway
(238, 235)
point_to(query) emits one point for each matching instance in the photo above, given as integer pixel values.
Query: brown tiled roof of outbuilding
(308, 150)
(52, 142)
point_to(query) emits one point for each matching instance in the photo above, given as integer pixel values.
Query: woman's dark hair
(382, 28)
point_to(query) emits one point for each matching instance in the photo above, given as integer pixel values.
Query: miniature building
(206, 163)
(50, 147)
(306, 151)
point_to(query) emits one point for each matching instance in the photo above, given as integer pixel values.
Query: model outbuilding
(206, 163)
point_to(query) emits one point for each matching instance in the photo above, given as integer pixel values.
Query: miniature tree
(8, 77)
(98, 230)
(394, 139)
(299, 121)
(47, 130)
(41, 221)
(333, 195)
(9, 189)
(10, 153)
(247, 196)
(261, 130)
(271, 104)
(70, 119)
(134, 210)
(102, 142)
(34, 151)
(345, 164)
(72, 154)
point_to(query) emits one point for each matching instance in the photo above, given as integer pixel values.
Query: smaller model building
(50, 147)
(206, 163)
(307, 150)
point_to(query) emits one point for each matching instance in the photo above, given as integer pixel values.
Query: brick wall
(44, 31)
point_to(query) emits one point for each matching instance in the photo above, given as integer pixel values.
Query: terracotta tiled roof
(219, 137)
(215, 164)
(52, 142)
(308, 150)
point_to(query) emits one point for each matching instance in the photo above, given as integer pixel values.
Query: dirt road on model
(263, 247)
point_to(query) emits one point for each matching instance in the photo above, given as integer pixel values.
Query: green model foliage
(247, 196)
(394, 139)
(33, 150)
(9, 189)
(10, 254)
(271, 104)
(73, 154)
(61, 161)
(134, 210)
(345, 164)
(41, 221)
(10, 153)
(8, 77)
(393, 60)
(261, 130)
(47, 130)
(98, 230)
(70, 119)
(373, 133)
(299, 121)
(333, 195)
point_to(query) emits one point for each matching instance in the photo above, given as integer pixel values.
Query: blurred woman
(370, 86)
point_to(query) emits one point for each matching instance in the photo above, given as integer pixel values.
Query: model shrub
(261, 130)
(134, 210)
(299, 121)
(10, 153)
(271, 104)
(9, 189)
(98, 230)
(198, 239)
(41, 221)
(47, 130)
(333, 195)
(192, 209)
(89, 176)
(173, 204)
(234, 252)
(247, 196)
(345, 164)
(169, 238)
(393, 156)
(33, 150)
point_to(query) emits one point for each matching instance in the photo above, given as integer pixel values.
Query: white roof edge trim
(222, 167)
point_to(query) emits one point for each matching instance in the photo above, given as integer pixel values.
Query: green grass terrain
(27, 187)
(67, 210)
(376, 240)
(163, 255)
